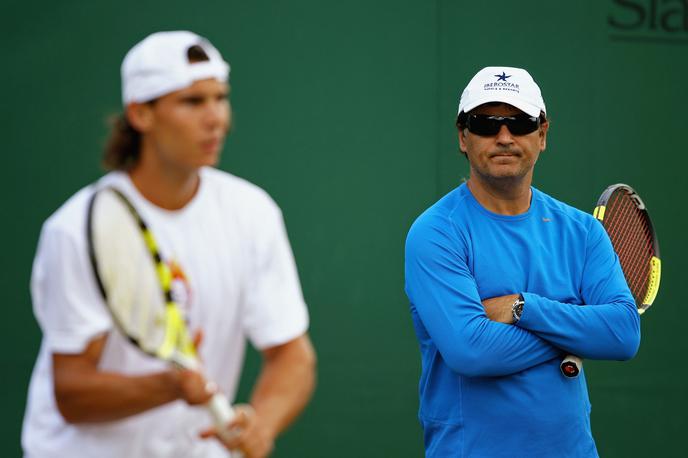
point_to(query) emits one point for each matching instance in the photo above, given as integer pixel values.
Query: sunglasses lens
(487, 126)
(523, 125)
(483, 125)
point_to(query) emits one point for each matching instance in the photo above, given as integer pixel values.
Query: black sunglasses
(488, 125)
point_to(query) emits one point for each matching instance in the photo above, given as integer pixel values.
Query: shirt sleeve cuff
(531, 306)
(70, 342)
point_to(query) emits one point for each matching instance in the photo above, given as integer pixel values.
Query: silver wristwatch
(517, 308)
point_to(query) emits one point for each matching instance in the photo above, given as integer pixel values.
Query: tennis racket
(625, 218)
(136, 285)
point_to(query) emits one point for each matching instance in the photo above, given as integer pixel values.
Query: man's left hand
(253, 439)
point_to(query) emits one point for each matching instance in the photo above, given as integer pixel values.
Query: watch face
(517, 309)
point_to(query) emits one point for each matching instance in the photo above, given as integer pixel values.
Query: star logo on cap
(502, 77)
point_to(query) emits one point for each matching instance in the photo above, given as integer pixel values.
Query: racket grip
(571, 366)
(222, 414)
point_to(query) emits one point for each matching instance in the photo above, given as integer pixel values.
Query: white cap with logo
(159, 64)
(510, 85)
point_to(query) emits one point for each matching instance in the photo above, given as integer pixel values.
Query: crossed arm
(476, 337)
(604, 331)
(445, 297)
(608, 328)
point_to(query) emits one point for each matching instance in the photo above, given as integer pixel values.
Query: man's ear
(462, 141)
(543, 135)
(140, 116)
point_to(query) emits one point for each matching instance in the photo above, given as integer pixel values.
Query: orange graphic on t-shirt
(181, 289)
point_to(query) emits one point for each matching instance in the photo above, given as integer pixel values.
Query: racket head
(134, 280)
(625, 218)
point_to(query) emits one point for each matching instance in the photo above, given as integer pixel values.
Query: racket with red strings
(627, 222)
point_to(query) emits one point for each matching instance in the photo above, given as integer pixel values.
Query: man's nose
(504, 136)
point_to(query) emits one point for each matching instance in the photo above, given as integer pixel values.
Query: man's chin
(506, 172)
(209, 159)
(503, 174)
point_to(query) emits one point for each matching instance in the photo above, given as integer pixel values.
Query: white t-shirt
(235, 277)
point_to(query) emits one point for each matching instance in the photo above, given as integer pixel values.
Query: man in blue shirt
(497, 273)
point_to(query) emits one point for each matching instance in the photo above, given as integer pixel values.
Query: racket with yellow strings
(136, 284)
(627, 222)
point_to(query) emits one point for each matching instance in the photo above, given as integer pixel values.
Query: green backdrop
(344, 113)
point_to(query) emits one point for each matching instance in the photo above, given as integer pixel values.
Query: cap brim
(530, 109)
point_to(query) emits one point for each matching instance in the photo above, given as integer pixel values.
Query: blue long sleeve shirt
(488, 389)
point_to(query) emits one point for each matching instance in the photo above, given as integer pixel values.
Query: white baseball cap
(509, 85)
(159, 64)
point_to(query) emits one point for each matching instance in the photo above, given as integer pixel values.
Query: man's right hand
(193, 387)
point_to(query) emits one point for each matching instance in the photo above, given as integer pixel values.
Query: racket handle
(571, 366)
(222, 414)
(219, 407)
